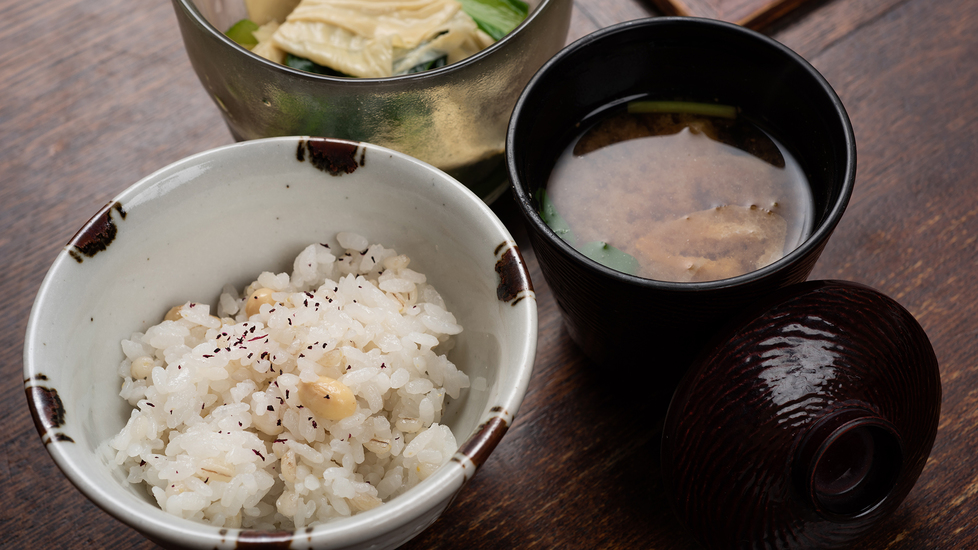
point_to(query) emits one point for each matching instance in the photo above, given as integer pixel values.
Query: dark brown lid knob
(848, 464)
(804, 423)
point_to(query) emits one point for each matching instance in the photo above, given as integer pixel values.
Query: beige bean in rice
(218, 433)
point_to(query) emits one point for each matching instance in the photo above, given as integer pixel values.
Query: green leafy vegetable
(428, 65)
(601, 252)
(308, 65)
(242, 32)
(497, 18)
(550, 216)
(690, 107)
(304, 64)
(607, 255)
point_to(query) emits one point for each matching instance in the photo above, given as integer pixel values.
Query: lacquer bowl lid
(804, 423)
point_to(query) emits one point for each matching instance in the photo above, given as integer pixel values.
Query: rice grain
(218, 433)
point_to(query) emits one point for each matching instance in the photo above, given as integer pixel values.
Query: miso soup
(678, 192)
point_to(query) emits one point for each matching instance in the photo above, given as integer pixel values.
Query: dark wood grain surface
(754, 14)
(96, 95)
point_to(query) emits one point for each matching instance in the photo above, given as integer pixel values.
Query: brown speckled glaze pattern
(96, 235)
(514, 279)
(817, 360)
(47, 410)
(479, 446)
(336, 157)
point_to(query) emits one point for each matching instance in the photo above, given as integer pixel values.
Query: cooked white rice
(219, 434)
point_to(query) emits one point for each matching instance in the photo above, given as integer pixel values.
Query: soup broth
(696, 194)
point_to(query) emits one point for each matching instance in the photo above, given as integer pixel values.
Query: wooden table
(96, 95)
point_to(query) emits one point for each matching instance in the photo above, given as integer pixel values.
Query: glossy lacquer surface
(805, 426)
(617, 318)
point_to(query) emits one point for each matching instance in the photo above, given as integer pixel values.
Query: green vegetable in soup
(497, 18)
(688, 107)
(601, 252)
(609, 256)
(550, 216)
(428, 65)
(304, 64)
(242, 32)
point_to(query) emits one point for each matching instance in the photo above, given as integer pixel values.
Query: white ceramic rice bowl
(226, 215)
